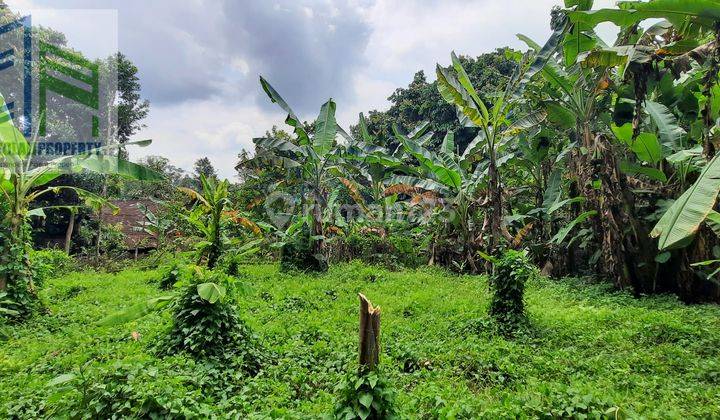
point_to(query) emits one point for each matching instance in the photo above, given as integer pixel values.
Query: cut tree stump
(369, 334)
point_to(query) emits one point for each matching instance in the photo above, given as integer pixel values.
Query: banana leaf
(682, 220)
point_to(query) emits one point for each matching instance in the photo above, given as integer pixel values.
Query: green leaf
(703, 12)
(488, 257)
(560, 115)
(38, 212)
(533, 119)
(530, 43)
(291, 119)
(440, 166)
(685, 155)
(575, 46)
(211, 292)
(552, 45)
(101, 163)
(553, 189)
(671, 134)
(426, 184)
(366, 399)
(560, 204)
(276, 144)
(364, 130)
(453, 92)
(61, 379)
(616, 56)
(464, 80)
(136, 311)
(647, 148)
(325, 129)
(419, 131)
(448, 144)
(662, 257)
(682, 220)
(13, 144)
(623, 133)
(713, 221)
(562, 233)
(475, 145)
(635, 169)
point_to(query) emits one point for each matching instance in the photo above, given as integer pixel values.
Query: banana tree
(210, 217)
(21, 185)
(455, 179)
(497, 124)
(373, 163)
(653, 59)
(312, 157)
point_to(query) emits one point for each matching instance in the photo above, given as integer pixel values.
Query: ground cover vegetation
(532, 234)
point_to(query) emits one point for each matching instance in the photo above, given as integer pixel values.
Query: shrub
(17, 275)
(297, 255)
(49, 263)
(206, 325)
(394, 252)
(170, 276)
(112, 243)
(365, 397)
(510, 273)
(571, 404)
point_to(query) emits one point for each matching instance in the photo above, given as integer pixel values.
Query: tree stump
(369, 334)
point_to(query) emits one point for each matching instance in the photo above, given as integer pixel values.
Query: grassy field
(586, 350)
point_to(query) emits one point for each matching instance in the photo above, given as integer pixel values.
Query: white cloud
(188, 131)
(201, 78)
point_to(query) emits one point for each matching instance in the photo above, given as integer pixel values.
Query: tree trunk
(69, 232)
(495, 204)
(317, 230)
(100, 217)
(611, 219)
(599, 165)
(369, 335)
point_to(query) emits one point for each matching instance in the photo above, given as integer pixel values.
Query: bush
(510, 273)
(171, 275)
(49, 263)
(394, 252)
(297, 255)
(365, 397)
(112, 243)
(208, 329)
(571, 404)
(17, 275)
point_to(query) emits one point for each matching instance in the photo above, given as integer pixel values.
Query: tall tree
(420, 101)
(132, 109)
(203, 167)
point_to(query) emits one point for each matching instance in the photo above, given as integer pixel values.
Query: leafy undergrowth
(585, 351)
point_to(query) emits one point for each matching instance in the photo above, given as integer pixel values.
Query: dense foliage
(510, 274)
(210, 327)
(575, 158)
(589, 349)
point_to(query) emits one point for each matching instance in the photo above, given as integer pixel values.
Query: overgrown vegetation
(571, 159)
(589, 350)
(510, 274)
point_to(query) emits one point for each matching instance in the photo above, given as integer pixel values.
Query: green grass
(587, 349)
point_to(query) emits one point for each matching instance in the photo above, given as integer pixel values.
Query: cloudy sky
(199, 60)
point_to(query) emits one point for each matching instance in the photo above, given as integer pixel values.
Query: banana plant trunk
(495, 204)
(599, 166)
(216, 247)
(69, 231)
(318, 243)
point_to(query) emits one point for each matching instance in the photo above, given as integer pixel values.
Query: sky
(199, 60)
